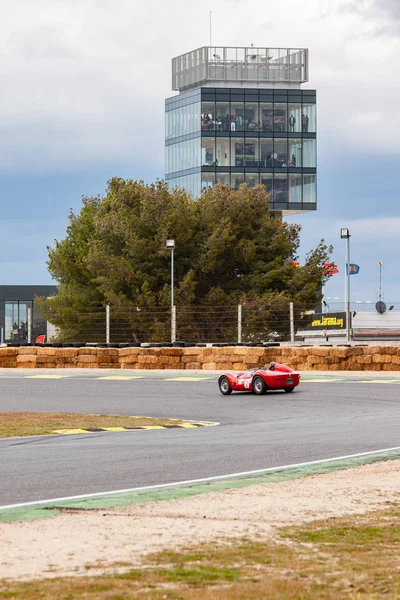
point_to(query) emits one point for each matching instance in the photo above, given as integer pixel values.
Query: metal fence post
(173, 324)
(29, 340)
(107, 324)
(239, 324)
(291, 322)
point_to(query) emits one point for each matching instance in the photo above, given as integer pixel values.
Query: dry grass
(36, 423)
(355, 558)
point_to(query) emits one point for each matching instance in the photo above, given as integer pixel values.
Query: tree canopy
(230, 249)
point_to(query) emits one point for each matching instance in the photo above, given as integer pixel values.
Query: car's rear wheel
(224, 386)
(259, 385)
(288, 390)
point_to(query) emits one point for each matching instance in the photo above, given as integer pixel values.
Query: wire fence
(199, 324)
(248, 323)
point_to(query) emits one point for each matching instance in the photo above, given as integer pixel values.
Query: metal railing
(239, 64)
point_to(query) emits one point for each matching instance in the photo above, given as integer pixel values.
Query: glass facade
(15, 302)
(230, 136)
(16, 321)
(183, 155)
(182, 115)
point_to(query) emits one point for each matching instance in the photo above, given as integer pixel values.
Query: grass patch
(349, 537)
(36, 423)
(352, 558)
(203, 575)
(132, 575)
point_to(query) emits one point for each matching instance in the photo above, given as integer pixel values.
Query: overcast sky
(82, 100)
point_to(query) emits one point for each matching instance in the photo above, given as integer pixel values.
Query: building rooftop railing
(239, 66)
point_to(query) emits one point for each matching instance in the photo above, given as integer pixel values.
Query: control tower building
(241, 116)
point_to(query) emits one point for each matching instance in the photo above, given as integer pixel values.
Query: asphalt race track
(317, 421)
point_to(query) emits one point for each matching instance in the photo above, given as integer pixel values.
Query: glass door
(16, 321)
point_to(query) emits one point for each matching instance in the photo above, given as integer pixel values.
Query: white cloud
(376, 229)
(367, 230)
(391, 6)
(366, 118)
(85, 80)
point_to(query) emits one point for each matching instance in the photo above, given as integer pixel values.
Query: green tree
(229, 249)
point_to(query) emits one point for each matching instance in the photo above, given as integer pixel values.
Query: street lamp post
(345, 235)
(170, 244)
(380, 265)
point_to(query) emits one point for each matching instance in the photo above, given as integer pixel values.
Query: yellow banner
(327, 322)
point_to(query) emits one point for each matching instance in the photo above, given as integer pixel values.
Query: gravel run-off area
(64, 544)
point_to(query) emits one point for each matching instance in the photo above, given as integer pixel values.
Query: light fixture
(391, 307)
(354, 313)
(217, 56)
(344, 233)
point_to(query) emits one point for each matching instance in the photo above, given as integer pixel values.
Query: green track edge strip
(185, 491)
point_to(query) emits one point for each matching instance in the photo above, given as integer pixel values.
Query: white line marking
(195, 481)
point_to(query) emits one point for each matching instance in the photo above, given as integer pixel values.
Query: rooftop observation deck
(247, 67)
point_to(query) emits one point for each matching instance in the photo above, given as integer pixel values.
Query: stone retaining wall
(371, 358)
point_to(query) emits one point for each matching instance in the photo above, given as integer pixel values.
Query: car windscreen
(249, 373)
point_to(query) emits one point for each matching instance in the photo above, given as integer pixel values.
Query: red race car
(259, 380)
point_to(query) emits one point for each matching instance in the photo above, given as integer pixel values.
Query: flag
(352, 269)
(330, 268)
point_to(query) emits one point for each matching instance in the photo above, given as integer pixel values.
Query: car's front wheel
(224, 386)
(259, 385)
(288, 390)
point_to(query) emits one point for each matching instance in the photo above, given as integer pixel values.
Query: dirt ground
(69, 543)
